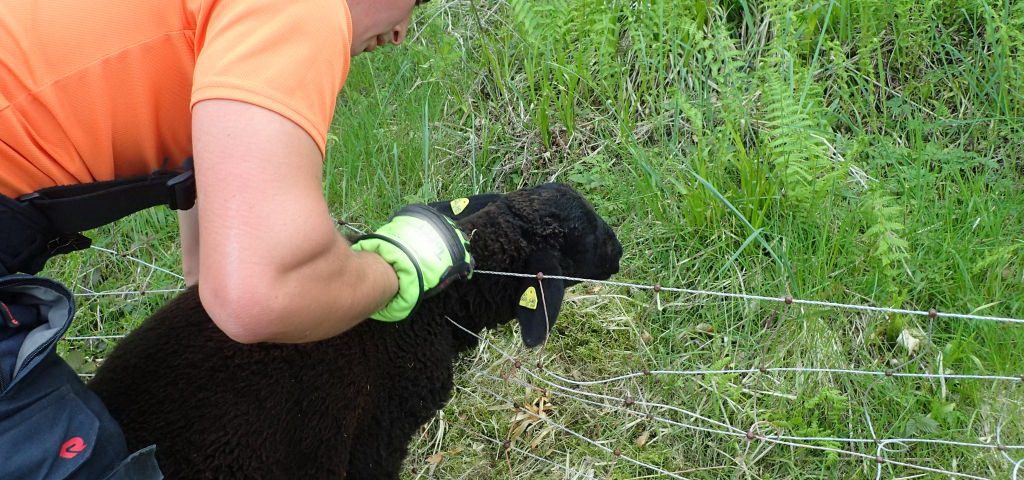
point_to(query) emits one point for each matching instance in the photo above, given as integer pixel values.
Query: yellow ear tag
(529, 299)
(459, 204)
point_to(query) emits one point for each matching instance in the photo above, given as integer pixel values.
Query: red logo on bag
(14, 321)
(72, 448)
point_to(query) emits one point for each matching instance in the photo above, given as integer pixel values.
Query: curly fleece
(345, 407)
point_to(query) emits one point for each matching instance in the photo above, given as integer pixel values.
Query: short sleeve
(288, 56)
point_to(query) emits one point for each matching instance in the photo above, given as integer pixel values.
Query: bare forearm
(188, 225)
(330, 294)
(307, 291)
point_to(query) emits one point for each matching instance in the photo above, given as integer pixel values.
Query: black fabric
(41, 225)
(76, 208)
(27, 241)
(51, 426)
(141, 465)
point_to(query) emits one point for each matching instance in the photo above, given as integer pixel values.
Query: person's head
(379, 22)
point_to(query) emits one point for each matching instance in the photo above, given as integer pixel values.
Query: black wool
(344, 407)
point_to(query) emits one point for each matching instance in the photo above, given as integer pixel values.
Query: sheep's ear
(539, 300)
(463, 207)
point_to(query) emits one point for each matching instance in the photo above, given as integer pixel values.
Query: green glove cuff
(426, 250)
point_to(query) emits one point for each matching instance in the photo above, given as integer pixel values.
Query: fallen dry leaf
(911, 339)
(540, 436)
(705, 328)
(528, 417)
(643, 438)
(435, 458)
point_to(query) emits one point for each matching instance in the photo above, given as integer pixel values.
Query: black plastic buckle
(182, 191)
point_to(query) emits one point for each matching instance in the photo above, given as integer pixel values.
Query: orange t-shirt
(98, 90)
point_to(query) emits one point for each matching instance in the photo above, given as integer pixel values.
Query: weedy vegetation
(857, 151)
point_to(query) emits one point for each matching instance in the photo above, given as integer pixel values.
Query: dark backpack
(51, 426)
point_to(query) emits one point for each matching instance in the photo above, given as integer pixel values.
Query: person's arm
(188, 226)
(273, 268)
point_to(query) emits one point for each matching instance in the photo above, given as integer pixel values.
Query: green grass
(860, 151)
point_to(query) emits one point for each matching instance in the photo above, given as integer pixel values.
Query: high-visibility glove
(427, 252)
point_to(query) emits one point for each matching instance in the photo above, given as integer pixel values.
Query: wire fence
(870, 373)
(657, 288)
(788, 300)
(752, 433)
(879, 450)
(123, 293)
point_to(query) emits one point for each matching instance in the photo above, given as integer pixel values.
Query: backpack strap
(76, 208)
(41, 225)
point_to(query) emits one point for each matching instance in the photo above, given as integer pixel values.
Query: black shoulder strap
(76, 208)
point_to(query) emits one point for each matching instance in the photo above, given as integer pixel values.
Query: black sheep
(344, 407)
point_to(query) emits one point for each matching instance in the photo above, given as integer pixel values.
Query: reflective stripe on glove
(427, 252)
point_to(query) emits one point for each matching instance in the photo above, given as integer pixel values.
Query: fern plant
(887, 247)
(795, 131)
(540, 21)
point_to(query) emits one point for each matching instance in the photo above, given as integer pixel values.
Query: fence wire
(657, 288)
(750, 434)
(786, 300)
(564, 386)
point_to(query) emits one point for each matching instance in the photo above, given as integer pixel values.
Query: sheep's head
(558, 233)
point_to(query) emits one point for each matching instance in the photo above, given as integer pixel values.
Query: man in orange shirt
(100, 91)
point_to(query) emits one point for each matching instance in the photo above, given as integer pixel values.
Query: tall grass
(864, 151)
